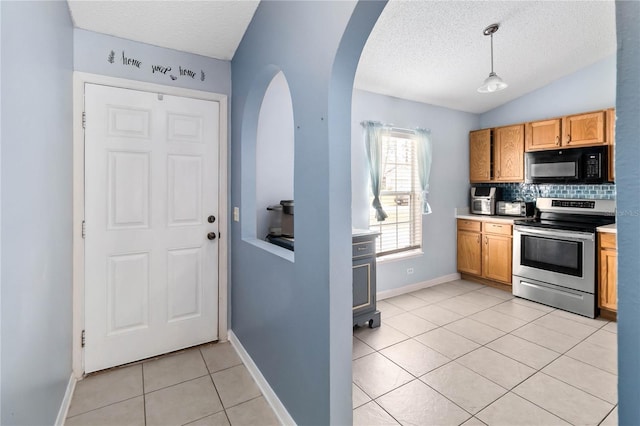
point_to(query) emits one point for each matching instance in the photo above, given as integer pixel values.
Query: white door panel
(151, 182)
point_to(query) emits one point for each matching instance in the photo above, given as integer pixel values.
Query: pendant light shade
(493, 83)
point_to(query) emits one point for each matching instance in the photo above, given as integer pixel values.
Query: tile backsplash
(530, 191)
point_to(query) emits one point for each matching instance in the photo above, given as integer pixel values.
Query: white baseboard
(66, 401)
(271, 397)
(381, 295)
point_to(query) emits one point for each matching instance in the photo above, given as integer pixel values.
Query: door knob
(211, 235)
(211, 219)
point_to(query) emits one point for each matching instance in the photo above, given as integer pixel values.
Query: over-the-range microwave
(570, 166)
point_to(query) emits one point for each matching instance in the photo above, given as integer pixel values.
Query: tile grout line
(608, 414)
(144, 396)
(215, 388)
(104, 406)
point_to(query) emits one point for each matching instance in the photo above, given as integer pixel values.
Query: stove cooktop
(572, 214)
(565, 225)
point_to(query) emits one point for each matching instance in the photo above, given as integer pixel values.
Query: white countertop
(611, 229)
(486, 218)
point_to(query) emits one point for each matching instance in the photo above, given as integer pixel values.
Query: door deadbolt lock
(211, 235)
(211, 219)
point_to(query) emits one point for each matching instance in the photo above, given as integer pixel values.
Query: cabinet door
(363, 286)
(480, 155)
(497, 258)
(542, 135)
(608, 296)
(469, 256)
(509, 153)
(610, 126)
(584, 129)
(607, 274)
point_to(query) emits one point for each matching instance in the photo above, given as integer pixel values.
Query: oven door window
(551, 254)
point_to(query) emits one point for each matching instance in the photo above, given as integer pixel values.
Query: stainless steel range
(554, 257)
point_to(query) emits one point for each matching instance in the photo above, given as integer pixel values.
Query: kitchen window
(399, 196)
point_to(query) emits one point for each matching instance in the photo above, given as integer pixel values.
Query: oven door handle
(581, 236)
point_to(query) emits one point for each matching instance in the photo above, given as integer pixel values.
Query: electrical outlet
(409, 271)
(236, 214)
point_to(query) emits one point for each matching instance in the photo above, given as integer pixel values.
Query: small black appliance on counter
(281, 226)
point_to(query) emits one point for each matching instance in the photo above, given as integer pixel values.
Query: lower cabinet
(469, 247)
(607, 272)
(485, 250)
(364, 280)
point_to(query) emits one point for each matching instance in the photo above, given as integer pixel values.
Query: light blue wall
(0, 214)
(274, 152)
(628, 217)
(91, 53)
(37, 48)
(449, 182)
(294, 318)
(589, 89)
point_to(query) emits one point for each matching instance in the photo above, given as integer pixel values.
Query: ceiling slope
(435, 52)
(208, 28)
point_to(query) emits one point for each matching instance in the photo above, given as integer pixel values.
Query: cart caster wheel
(370, 323)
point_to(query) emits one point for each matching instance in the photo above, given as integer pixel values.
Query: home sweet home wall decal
(161, 69)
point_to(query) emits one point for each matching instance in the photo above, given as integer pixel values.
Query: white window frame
(415, 220)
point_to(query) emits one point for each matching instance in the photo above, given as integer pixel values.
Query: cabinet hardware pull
(568, 138)
(362, 248)
(478, 239)
(557, 140)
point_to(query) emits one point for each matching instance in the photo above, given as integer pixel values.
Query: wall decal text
(156, 69)
(130, 61)
(187, 72)
(159, 68)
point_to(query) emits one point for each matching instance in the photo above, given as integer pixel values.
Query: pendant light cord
(491, 53)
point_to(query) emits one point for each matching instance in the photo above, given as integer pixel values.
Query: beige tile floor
(206, 385)
(457, 353)
(463, 353)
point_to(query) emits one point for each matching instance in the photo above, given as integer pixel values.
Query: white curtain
(423, 139)
(373, 144)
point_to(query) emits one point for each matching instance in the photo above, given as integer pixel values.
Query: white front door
(151, 207)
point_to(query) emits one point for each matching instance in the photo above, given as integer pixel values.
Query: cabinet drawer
(469, 225)
(365, 248)
(496, 228)
(607, 240)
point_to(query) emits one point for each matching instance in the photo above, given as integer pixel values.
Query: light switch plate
(236, 214)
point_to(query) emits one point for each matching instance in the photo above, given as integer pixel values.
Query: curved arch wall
(274, 151)
(294, 319)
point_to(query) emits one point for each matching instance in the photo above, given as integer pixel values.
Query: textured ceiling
(208, 28)
(435, 52)
(427, 51)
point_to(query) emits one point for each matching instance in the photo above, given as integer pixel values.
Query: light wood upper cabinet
(584, 129)
(480, 155)
(607, 273)
(509, 153)
(543, 134)
(611, 140)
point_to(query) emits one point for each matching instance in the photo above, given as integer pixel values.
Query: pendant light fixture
(493, 83)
